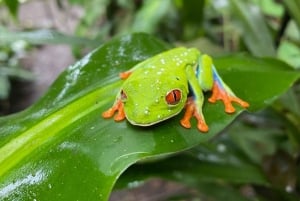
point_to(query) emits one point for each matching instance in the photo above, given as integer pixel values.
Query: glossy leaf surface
(61, 148)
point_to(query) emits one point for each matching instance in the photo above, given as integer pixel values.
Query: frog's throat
(150, 123)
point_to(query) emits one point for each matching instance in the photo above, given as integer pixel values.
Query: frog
(162, 86)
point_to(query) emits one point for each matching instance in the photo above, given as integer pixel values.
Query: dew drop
(221, 148)
(289, 188)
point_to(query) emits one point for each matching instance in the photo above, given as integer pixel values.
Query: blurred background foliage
(265, 145)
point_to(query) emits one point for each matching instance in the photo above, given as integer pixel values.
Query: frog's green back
(174, 58)
(150, 82)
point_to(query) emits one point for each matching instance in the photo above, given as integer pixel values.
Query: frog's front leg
(193, 107)
(210, 80)
(118, 107)
(124, 75)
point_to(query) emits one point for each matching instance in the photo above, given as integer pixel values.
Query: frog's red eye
(173, 97)
(123, 95)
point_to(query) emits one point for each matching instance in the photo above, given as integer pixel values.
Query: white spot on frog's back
(163, 61)
(184, 54)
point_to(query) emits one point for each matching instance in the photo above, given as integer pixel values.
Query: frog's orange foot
(119, 108)
(190, 111)
(125, 75)
(219, 93)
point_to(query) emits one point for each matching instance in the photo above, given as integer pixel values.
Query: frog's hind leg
(220, 91)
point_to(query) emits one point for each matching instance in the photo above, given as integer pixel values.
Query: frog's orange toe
(108, 113)
(125, 75)
(218, 93)
(202, 126)
(190, 111)
(120, 115)
(185, 123)
(117, 107)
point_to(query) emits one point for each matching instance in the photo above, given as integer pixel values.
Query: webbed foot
(190, 111)
(117, 107)
(219, 93)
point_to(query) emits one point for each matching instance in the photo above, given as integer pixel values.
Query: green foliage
(293, 7)
(61, 148)
(9, 66)
(249, 17)
(41, 36)
(12, 6)
(33, 147)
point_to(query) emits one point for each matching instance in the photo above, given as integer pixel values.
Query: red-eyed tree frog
(159, 88)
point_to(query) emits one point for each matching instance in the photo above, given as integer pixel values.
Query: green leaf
(152, 12)
(13, 6)
(17, 72)
(61, 148)
(42, 36)
(4, 86)
(293, 7)
(209, 168)
(290, 53)
(206, 166)
(262, 79)
(253, 28)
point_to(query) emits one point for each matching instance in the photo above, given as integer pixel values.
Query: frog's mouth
(150, 122)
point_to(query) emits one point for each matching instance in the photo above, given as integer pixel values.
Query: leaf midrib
(28, 141)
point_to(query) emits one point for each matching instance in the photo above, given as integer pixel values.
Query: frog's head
(149, 101)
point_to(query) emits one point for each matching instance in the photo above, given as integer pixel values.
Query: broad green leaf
(208, 178)
(266, 78)
(61, 148)
(209, 168)
(204, 166)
